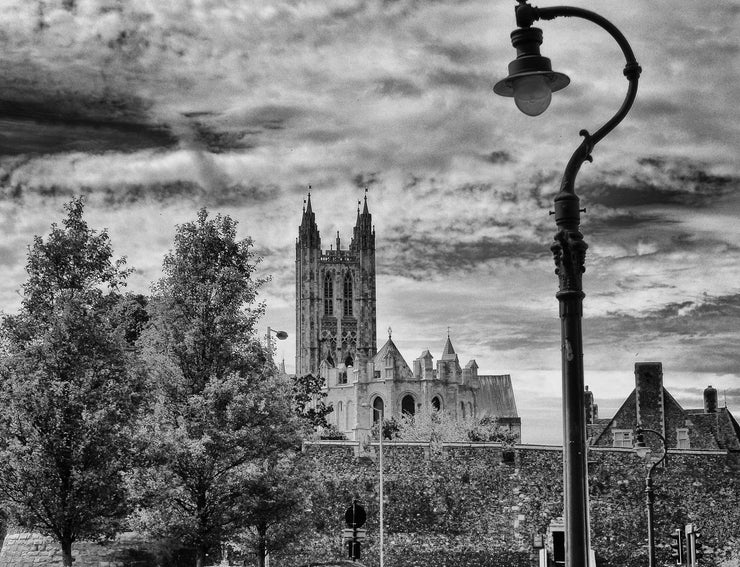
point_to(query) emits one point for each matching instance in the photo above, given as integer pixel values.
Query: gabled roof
(389, 350)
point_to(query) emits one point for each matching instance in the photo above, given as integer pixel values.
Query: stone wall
(461, 505)
(23, 549)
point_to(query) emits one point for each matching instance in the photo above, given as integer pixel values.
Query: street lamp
(531, 82)
(380, 476)
(643, 451)
(280, 335)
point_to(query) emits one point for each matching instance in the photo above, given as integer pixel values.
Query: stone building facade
(707, 428)
(336, 339)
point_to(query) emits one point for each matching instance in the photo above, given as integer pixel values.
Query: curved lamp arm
(639, 430)
(526, 15)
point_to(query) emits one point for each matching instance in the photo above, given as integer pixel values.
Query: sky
(154, 109)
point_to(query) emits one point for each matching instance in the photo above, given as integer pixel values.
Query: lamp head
(641, 448)
(282, 335)
(531, 80)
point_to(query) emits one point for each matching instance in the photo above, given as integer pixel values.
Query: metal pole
(650, 498)
(380, 464)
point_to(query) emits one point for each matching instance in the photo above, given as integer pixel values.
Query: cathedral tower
(335, 296)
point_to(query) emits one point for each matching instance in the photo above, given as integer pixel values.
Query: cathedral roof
(496, 396)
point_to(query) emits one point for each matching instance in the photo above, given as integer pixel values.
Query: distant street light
(281, 335)
(531, 82)
(643, 451)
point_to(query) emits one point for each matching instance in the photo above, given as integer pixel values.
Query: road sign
(355, 516)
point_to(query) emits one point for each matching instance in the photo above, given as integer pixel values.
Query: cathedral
(336, 339)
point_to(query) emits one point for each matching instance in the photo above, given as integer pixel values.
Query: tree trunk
(261, 546)
(200, 556)
(66, 553)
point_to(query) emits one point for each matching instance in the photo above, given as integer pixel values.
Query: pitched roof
(496, 396)
(390, 350)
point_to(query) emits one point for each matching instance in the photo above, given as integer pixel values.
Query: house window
(328, 295)
(622, 438)
(347, 295)
(682, 439)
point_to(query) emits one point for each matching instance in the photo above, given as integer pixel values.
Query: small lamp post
(643, 451)
(531, 82)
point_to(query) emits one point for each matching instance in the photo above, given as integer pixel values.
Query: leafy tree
(308, 397)
(69, 389)
(220, 410)
(279, 507)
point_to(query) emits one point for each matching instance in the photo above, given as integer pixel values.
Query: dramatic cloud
(153, 110)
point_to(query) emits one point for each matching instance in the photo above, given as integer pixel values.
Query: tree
(279, 506)
(220, 409)
(69, 388)
(308, 397)
(440, 426)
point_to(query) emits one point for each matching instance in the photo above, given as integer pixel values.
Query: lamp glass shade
(642, 451)
(532, 94)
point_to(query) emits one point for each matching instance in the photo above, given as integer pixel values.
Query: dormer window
(622, 438)
(682, 439)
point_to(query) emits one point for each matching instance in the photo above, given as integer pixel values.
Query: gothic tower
(335, 296)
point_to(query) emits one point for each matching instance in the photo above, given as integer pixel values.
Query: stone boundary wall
(475, 505)
(24, 549)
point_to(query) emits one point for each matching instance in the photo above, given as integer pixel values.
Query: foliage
(308, 396)
(438, 426)
(331, 433)
(279, 507)
(220, 410)
(69, 389)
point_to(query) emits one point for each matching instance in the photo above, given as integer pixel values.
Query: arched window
(350, 416)
(408, 405)
(378, 409)
(339, 415)
(436, 403)
(462, 409)
(470, 409)
(348, 295)
(328, 295)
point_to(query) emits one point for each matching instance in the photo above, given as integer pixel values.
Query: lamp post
(643, 451)
(380, 476)
(531, 82)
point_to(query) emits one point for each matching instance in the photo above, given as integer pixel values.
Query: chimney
(649, 398)
(710, 400)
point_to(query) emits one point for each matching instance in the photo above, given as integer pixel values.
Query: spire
(448, 353)
(308, 205)
(364, 235)
(308, 232)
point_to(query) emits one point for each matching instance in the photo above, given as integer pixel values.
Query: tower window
(348, 295)
(328, 295)
(436, 403)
